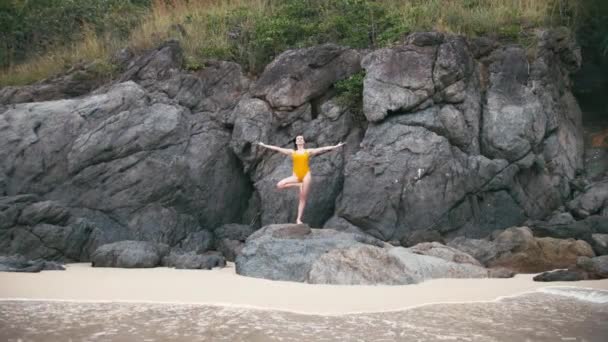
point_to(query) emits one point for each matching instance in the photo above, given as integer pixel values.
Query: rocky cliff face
(461, 137)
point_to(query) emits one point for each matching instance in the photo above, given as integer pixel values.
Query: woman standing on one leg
(301, 173)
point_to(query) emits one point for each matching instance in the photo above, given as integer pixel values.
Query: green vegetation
(350, 91)
(41, 38)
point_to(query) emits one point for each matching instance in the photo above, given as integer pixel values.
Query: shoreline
(82, 283)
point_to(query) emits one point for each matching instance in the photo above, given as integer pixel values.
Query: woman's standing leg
(303, 196)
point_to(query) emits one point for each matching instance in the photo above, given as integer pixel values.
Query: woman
(301, 173)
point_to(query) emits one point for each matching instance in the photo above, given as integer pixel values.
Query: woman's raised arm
(320, 150)
(276, 148)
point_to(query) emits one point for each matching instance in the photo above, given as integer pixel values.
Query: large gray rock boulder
(156, 65)
(447, 253)
(435, 159)
(597, 267)
(129, 254)
(18, 263)
(299, 253)
(38, 229)
(286, 252)
(359, 265)
(561, 275)
(79, 80)
(424, 267)
(513, 119)
(120, 164)
(585, 268)
(408, 178)
(230, 239)
(518, 250)
(397, 79)
(197, 242)
(212, 91)
(600, 243)
(193, 261)
(594, 201)
(482, 250)
(297, 76)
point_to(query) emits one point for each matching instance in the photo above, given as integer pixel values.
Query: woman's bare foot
(299, 222)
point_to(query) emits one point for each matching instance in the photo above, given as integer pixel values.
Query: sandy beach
(83, 283)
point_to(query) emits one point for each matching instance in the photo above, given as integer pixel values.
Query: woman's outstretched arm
(320, 150)
(276, 148)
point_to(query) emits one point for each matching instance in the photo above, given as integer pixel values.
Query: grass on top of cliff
(253, 32)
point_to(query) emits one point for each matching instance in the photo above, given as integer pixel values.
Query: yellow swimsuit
(300, 164)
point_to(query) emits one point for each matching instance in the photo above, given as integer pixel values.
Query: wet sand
(223, 287)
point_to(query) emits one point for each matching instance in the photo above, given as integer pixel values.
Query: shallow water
(552, 314)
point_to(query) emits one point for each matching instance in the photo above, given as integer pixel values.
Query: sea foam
(585, 294)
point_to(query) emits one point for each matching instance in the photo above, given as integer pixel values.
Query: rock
(252, 124)
(596, 162)
(230, 249)
(597, 224)
(600, 243)
(563, 253)
(122, 57)
(397, 79)
(18, 263)
(597, 267)
(129, 254)
(46, 241)
(79, 80)
(214, 90)
(582, 229)
(231, 231)
(593, 201)
(441, 251)
(407, 176)
(561, 275)
(157, 64)
(511, 104)
(561, 218)
(359, 265)
(420, 236)
(286, 252)
(191, 260)
(326, 256)
(425, 267)
(482, 250)
(198, 242)
(297, 76)
(573, 230)
(342, 225)
(230, 239)
(424, 38)
(129, 165)
(482, 46)
(500, 272)
(519, 251)
(516, 249)
(47, 211)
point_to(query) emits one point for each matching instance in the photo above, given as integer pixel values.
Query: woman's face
(299, 140)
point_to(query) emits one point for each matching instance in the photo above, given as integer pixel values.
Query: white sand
(81, 282)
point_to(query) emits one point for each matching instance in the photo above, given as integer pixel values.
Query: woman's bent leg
(288, 182)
